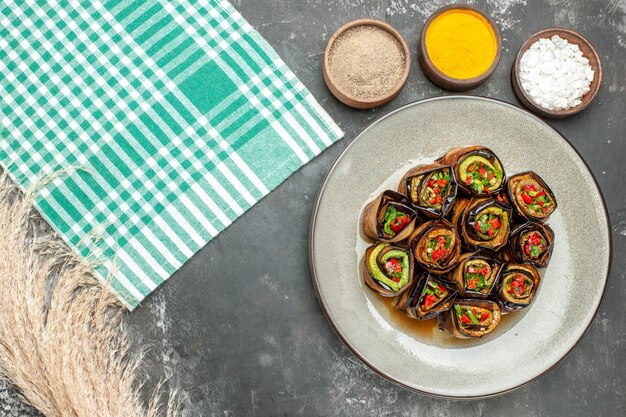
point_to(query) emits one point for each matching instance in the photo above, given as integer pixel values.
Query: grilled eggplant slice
(431, 189)
(532, 243)
(436, 246)
(477, 169)
(486, 224)
(530, 196)
(388, 269)
(389, 218)
(471, 318)
(427, 297)
(456, 215)
(477, 275)
(518, 285)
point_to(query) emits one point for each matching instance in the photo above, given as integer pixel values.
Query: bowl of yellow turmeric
(459, 47)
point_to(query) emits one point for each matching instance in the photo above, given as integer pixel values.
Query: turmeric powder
(461, 43)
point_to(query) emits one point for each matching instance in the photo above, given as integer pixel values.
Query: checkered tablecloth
(178, 115)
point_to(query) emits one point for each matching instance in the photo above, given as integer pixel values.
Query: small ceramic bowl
(441, 79)
(352, 100)
(588, 51)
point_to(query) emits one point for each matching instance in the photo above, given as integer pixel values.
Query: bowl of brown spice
(366, 63)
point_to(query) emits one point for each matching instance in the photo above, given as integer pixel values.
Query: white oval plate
(526, 344)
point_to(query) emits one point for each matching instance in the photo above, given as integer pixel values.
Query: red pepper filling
(536, 198)
(472, 315)
(487, 224)
(433, 293)
(476, 278)
(429, 300)
(438, 248)
(481, 178)
(517, 286)
(436, 188)
(395, 221)
(534, 245)
(394, 269)
(399, 222)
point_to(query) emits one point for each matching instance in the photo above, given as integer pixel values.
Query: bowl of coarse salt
(557, 73)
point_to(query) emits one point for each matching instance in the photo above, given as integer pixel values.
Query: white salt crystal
(547, 67)
(532, 61)
(555, 74)
(560, 102)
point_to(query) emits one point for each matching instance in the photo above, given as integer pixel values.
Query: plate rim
(311, 250)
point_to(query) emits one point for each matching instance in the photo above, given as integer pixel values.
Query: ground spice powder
(366, 62)
(461, 43)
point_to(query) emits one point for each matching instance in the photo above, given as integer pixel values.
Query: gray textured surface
(240, 325)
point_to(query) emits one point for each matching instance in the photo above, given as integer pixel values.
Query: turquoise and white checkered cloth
(180, 113)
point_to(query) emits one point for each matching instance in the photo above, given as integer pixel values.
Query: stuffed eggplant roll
(388, 269)
(471, 318)
(530, 196)
(426, 298)
(430, 188)
(486, 224)
(532, 242)
(477, 275)
(477, 170)
(436, 246)
(456, 216)
(389, 218)
(518, 286)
